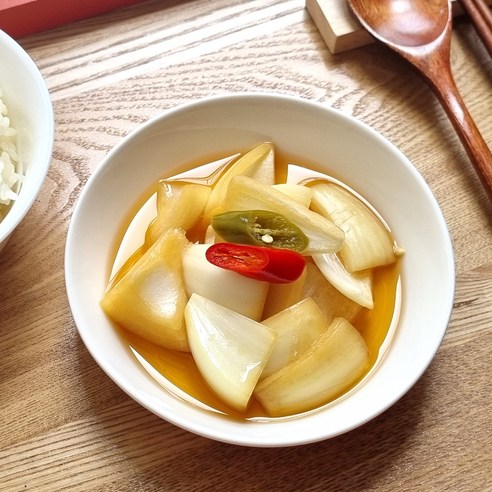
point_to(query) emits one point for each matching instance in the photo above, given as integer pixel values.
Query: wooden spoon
(420, 31)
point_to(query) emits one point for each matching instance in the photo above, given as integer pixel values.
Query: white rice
(9, 161)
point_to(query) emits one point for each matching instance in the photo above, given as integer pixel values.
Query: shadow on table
(348, 462)
(164, 457)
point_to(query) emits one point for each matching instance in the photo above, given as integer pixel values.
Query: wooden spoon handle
(470, 136)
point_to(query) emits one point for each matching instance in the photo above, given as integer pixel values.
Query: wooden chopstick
(481, 17)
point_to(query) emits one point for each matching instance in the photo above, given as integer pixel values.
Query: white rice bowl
(10, 177)
(26, 134)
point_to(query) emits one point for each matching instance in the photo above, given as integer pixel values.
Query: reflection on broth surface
(179, 368)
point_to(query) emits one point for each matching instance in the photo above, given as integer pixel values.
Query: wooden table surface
(64, 425)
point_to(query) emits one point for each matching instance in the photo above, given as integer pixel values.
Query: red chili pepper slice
(279, 266)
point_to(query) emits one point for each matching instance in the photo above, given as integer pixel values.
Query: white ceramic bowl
(351, 151)
(31, 114)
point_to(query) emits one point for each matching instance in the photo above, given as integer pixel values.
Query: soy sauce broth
(178, 368)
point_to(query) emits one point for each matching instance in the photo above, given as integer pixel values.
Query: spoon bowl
(420, 31)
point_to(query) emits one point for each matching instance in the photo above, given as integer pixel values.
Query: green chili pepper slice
(260, 228)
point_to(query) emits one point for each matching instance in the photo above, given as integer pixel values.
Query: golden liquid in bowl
(179, 368)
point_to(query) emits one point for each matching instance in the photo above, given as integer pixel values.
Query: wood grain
(66, 426)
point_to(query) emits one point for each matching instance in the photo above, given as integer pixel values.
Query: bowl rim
(19, 210)
(200, 428)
